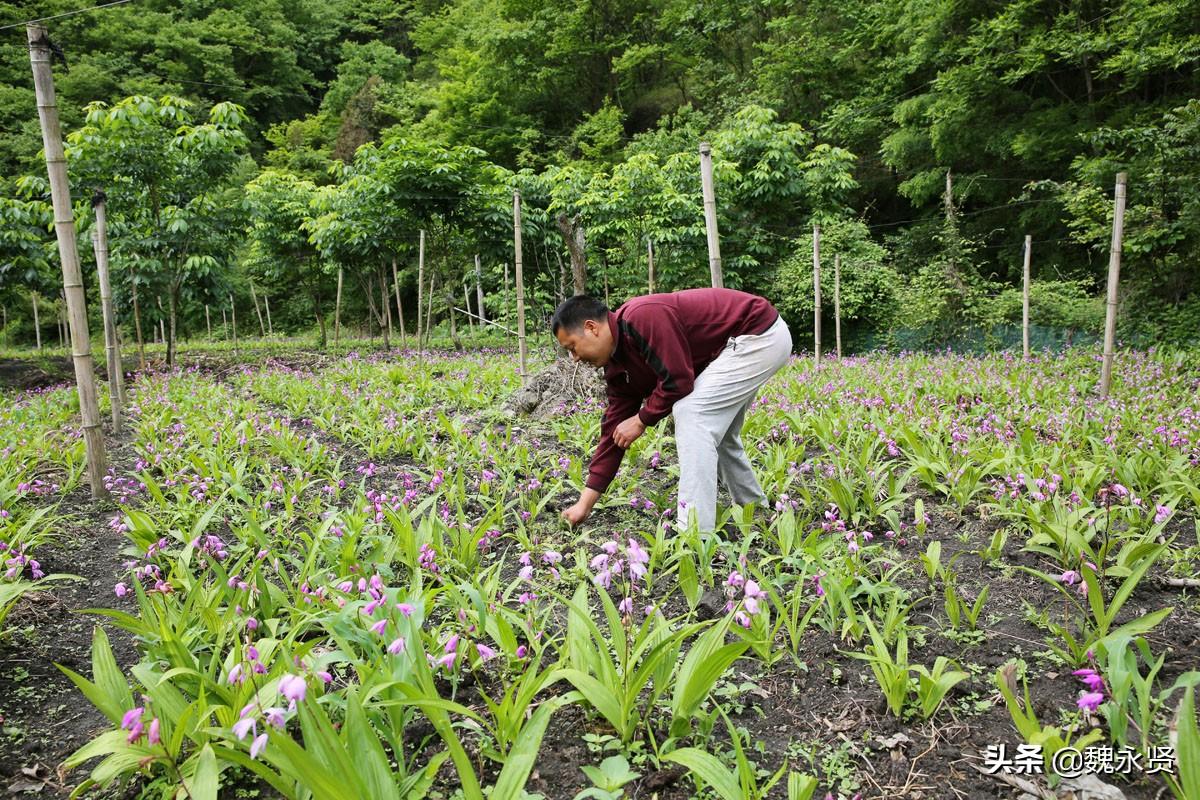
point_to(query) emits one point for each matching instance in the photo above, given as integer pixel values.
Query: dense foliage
(821, 112)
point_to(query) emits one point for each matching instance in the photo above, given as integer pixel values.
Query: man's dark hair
(574, 311)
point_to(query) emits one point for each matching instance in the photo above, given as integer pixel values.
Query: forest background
(286, 143)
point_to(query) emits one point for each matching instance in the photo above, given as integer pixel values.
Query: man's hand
(628, 432)
(577, 513)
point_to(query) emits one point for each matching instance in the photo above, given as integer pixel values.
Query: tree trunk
(316, 298)
(233, 317)
(112, 348)
(429, 310)
(372, 315)
(520, 277)
(650, 265)
(573, 235)
(386, 323)
(267, 306)
(173, 302)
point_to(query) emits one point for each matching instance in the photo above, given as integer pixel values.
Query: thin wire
(67, 14)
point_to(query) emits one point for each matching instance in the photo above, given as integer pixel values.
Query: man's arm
(608, 456)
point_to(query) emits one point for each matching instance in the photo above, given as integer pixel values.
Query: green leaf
(206, 780)
(511, 783)
(708, 769)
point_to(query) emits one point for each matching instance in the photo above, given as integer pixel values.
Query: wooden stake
(650, 265)
(479, 290)
(112, 348)
(64, 229)
(337, 311)
(37, 324)
(399, 306)
(817, 294)
(467, 305)
(162, 326)
(267, 306)
(262, 331)
(224, 324)
(208, 322)
(710, 216)
(1025, 300)
(520, 277)
(420, 286)
(837, 303)
(1114, 275)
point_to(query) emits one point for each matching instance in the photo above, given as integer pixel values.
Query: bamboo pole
(429, 310)
(233, 316)
(262, 331)
(710, 216)
(137, 327)
(337, 311)
(650, 265)
(208, 321)
(386, 307)
(817, 294)
(479, 290)
(420, 287)
(267, 306)
(64, 228)
(467, 304)
(224, 324)
(112, 348)
(399, 305)
(162, 325)
(37, 324)
(837, 303)
(1114, 275)
(1025, 299)
(520, 278)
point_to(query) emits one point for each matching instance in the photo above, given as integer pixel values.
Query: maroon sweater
(663, 341)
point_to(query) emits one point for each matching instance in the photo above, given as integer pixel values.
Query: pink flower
(1090, 677)
(379, 627)
(120, 590)
(243, 726)
(153, 735)
(131, 718)
(258, 744)
(397, 646)
(1069, 577)
(1163, 514)
(405, 608)
(484, 651)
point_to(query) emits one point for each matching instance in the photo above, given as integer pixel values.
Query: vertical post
(1025, 299)
(137, 325)
(399, 306)
(64, 228)
(112, 349)
(5, 326)
(208, 321)
(262, 330)
(467, 305)
(337, 311)
(386, 307)
(710, 215)
(420, 287)
(817, 294)
(224, 324)
(837, 303)
(650, 265)
(267, 306)
(37, 323)
(233, 316)
(479, 292)
(1114, 274)
(520, 277)
(162, 325)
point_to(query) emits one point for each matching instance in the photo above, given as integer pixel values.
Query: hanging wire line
(65, 14)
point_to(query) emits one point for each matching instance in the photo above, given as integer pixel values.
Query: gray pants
(708, 424)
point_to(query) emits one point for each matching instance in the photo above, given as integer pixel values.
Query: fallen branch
(485, 321)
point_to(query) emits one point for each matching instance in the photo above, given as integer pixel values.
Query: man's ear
(591, 326)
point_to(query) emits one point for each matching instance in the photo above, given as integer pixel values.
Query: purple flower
(405, 608)
(131, 718)
(293, 687)
(153, 735)
(1162, 514)
(274, 717)
(258, 744)
(120, 590)
(1090, 701)
(397, 646)
(379, 627)
(1069, 577)
(484, 651)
